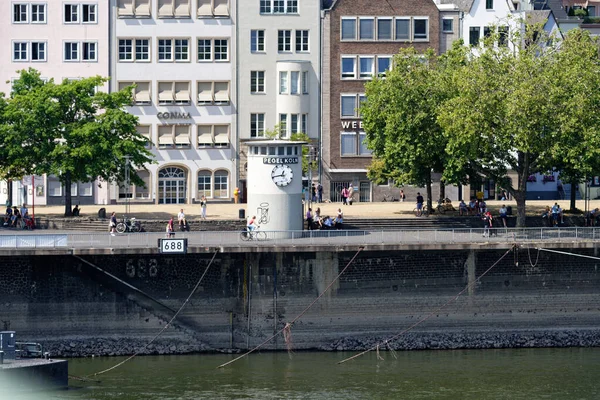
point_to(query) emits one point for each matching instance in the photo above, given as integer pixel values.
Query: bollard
(1, 357)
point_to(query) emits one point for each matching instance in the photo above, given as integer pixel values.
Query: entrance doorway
(172, 186)
(364, 191)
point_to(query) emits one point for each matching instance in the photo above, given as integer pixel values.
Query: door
(364, 191)
(172, 184)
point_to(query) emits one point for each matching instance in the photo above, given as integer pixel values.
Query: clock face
(282, 175)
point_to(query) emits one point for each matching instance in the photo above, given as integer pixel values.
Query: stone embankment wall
(528, 299)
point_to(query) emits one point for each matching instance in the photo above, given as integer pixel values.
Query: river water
(465, 374)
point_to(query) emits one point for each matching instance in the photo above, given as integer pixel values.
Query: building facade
(62, 40)
(278, 59)
(360, 38)
(178, 55)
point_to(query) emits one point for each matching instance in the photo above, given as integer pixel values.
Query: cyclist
(419, 204)
(252, 224)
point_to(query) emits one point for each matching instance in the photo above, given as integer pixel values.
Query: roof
(462, 5)
(327, 4)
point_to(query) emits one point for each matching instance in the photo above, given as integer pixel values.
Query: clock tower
(275, 184)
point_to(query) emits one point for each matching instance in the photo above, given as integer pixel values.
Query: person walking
(112, 224)
(320, 193)
(344, 194)
(419, 204)
(503, 214)
(402, 195)
(309, 219)
(350, 194)
(203, 206)
(169, 229)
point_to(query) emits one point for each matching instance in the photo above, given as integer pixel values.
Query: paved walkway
(225, 211)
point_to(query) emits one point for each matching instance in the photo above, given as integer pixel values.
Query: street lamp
(127, 158)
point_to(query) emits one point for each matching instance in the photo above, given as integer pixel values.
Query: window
(54, 187)
(348, 28)
(591, 11)
(133, 8)
(348, 106)
(221, 52)
(71, 51)
(349, 67)
(38, 13)
(85, 189)
(20, 13)
(38, 51)
(141, 93)
(165, 49)
(295, 82)
(257, 81)
(257, 41)
(348, 143)
(304, 127)
(474, 35)
(362, 145)
(221, 8)
(173, 8)
(221, 184)
(174, 136)
(447, 25)
(292, 7)
(284, 40)
(304, 82)
(182, 50)
(257, 125)
(489, 4)
(420, 29)
(302, 41)
(213, 93)
(88, 13)
(204, 49)
(265, 6)
(283, 125)
(366, 28)
(503, 36)
(213, 9)
(88, 51)
(125, 49)
(294, 123)
(279, 6)
(383, 65)
(170, 93)
(221, 136)
(204, 184)
(142, 49)
(402, 29)
(143, 191)
(366, 67)
(283, 82)
(71, 13)
(20, 51)
(146, 132)
(384, 29)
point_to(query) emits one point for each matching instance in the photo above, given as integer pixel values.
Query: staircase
(566, 193)
(391, 224)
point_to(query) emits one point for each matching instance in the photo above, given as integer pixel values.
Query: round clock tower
(275, 184)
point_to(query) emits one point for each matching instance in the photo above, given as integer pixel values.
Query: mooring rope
(287, 328)
(567, 253)
(391, 339)
(164, 328)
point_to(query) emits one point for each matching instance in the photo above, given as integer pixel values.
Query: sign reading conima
(280, 160)
(174, 115)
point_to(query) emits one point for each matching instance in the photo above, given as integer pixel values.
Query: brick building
(360, 38)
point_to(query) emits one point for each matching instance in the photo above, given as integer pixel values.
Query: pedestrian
(203, 206)
(503, 214)
(112, 224)
(419, 204)
(350, 194)
(236, 195)
(313, 193)
(320, 193)
(169, 229)
(309, 219)
(402, 195)
(344, 194)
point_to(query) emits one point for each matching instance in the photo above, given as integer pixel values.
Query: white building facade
(179, 54)
(62, 40)
(278, 58)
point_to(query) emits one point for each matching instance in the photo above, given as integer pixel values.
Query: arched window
(172, 184)
(204, 184)
(221, 184)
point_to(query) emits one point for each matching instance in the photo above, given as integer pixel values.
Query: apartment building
(179, 56)
(278, 59)
(62, 40)
(360, 38)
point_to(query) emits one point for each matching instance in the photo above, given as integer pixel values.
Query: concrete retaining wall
(244, 298)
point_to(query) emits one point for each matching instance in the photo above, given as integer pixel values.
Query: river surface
(465, 374)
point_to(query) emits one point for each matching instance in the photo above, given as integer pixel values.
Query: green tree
(307, 162)
(400, 117)
(71, 131)
(515, 111)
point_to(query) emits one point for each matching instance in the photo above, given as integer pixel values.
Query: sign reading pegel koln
(174, 115)
(280, 160)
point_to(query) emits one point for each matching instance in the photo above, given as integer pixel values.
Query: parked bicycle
(423, 212)
(388, 197)
(256, 234)
(129, 225)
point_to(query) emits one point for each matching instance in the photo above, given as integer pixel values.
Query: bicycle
(424, 211)
(255, 234)
(390, 198)
(129, 225)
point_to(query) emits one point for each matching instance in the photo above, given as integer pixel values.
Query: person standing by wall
(112, 224)
(350, 194)
(320, 193)
(309, 219)
(203, 206)
(419, 204)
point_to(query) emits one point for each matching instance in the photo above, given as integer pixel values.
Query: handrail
(80, 240)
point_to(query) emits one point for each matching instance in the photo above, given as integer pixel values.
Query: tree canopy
(70, 130)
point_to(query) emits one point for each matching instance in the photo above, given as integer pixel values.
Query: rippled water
(475, 374)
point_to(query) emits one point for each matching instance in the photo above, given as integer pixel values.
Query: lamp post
(127, 158)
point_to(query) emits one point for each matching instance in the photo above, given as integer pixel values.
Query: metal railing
(300, 238)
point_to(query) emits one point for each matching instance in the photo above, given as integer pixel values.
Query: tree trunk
(573, 196)
(429, 195)
(68, 200)
(521, 214)
(442, 190)
(10, 193)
